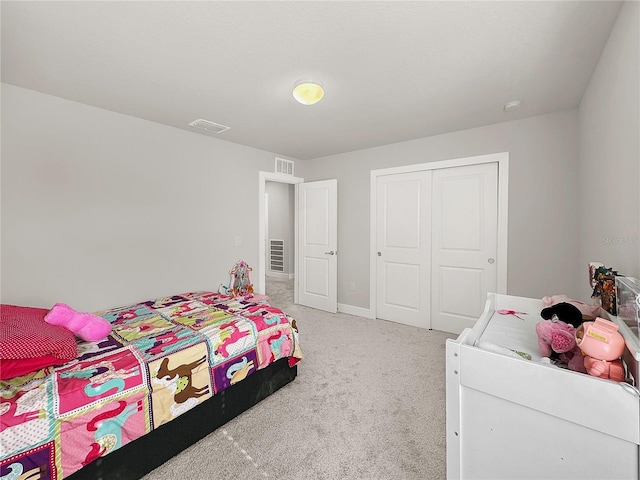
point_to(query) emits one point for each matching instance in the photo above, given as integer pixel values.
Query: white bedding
(509, 331)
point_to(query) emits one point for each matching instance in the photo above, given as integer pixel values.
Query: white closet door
(403, 247)
(464, 235)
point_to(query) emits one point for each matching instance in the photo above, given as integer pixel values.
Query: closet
(439, 239)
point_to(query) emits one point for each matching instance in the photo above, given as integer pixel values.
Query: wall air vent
(276, 255)
(209, 126)
(284, 166)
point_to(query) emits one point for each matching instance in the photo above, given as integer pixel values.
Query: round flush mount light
(308, 92)
(511, 106)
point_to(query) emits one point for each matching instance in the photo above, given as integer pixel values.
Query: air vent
(209, 126)
(284, 166)
(276, 255)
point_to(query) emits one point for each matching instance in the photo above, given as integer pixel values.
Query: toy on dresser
(602, 345)
(556, 333)
(568, 310)
(556, 341)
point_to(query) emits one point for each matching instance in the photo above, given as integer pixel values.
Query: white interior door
(403, 247)
(464, 244)
(317, 245)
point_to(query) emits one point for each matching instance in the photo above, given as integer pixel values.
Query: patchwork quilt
(162, 358)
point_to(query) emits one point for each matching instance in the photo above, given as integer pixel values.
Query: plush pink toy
(585, 309)
(87, 326)
(556, 340)
(574, 359)
(557, 337)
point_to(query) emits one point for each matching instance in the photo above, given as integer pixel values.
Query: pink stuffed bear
(556, 340)
(87, 326)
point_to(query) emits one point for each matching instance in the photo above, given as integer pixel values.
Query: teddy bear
(556, 340)
(87, 326)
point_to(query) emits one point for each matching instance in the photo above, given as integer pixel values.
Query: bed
(509, 417)
(171, 371)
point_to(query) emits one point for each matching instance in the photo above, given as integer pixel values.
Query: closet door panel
(464, 240)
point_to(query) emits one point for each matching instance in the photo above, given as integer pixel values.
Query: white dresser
(511, 418)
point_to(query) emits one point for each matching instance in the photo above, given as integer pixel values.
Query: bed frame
(135, 459)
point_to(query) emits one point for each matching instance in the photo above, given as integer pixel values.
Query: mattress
(509, 322)
(163, 358)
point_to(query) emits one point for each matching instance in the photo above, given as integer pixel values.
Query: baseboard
(351, 310)
(281, 276)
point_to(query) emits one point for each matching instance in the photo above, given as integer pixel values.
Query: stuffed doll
(87, 326)
(568, 310)
(556, 340)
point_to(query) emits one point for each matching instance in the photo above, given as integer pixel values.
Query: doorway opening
(280, 238)
(267, 185)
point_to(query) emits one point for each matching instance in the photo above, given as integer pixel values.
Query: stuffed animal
(556, 341)
(568, 310)
(87, 326)
(574, 360)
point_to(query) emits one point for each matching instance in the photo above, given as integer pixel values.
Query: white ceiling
(392, 71)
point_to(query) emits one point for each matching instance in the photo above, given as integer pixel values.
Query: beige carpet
(368, 403)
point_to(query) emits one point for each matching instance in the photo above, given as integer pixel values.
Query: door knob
(379, 254)
(330, 253)
(491, 261)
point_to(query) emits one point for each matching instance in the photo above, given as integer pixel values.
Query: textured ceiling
(393, 71)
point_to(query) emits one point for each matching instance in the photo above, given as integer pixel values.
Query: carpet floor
(368, 403)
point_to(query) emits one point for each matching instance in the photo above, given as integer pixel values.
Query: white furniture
(511, 418)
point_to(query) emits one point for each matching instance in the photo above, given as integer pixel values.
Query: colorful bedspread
(162, 358)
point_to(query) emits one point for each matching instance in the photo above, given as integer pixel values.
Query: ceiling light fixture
(308, 92)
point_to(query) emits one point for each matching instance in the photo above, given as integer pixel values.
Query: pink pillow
(87, 326)
(26, 338)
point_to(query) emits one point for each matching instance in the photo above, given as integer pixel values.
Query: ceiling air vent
(209, 126)
(284, 166)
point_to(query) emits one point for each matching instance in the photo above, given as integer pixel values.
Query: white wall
(610, 152)
(281, 219)
(543, 199)
(101, 209)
